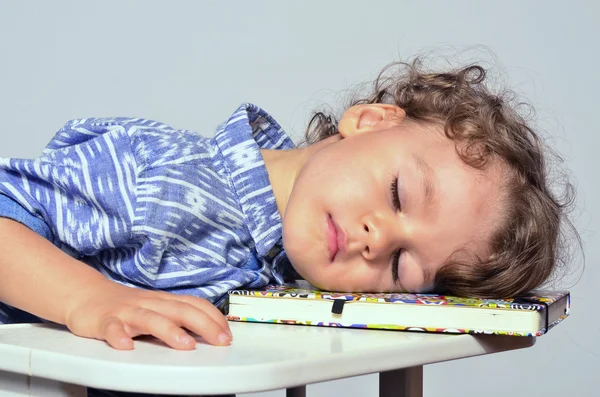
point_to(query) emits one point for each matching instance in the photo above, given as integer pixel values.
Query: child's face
(341, 227)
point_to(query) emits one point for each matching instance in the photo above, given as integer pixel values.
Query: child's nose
(379, 240)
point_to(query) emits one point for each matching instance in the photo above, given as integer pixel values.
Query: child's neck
(283, 167)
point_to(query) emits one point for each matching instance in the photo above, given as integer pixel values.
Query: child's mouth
(332, 239)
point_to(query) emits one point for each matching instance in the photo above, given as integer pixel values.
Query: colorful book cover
(539, 301)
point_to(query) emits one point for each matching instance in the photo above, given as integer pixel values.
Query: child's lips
(331, 239)
(335, 238)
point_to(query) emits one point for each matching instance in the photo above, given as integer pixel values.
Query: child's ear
(363, 118)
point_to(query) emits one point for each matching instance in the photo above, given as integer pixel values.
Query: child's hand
(116, 314)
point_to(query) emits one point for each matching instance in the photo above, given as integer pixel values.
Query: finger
(113, 332)
(208, 308)
(148, 322)
(192, 318)
(203, 305)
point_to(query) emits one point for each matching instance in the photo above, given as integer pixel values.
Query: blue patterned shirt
(153, 207)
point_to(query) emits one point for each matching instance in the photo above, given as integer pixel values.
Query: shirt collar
(239, 141)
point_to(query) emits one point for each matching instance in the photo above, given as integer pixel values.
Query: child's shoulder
(143, 135)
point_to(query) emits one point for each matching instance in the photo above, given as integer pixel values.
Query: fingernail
(186, 339)
(126, 343)
(223, 338)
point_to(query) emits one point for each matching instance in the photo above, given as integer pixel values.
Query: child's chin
(306, 276)
(320, 284)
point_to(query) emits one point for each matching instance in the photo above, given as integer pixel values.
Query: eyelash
(395, 265)
(395, 198)
(398, 206)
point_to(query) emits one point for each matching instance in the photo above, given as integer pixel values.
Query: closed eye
(395, 195)
(395, 266)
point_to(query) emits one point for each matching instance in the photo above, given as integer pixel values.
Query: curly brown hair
(526, 247)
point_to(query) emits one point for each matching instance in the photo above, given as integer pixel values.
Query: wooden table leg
(406, 382)
(17, 385)
(298, 391)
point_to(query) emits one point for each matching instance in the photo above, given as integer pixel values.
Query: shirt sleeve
(9, 208)
(82, 187)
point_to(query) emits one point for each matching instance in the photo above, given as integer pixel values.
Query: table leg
(298, 391)
(18, 385)
(406, 382)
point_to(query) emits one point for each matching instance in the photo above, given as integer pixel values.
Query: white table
(46, 360)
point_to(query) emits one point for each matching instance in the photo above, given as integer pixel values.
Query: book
(302, 304)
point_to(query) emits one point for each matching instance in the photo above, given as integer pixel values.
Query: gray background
(190, 64)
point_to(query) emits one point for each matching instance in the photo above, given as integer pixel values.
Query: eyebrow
(426, 173)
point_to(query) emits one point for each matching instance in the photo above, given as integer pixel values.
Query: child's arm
(39, 278)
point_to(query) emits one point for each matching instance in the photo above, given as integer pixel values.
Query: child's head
(430, 183)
